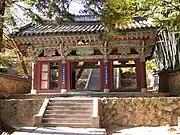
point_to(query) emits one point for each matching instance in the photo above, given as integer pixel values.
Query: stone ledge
(14, 77)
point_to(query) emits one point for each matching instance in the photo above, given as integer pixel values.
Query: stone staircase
(94, 80)
(68, 112)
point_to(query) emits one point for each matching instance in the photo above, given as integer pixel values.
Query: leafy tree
(166, 14)
(36, 11)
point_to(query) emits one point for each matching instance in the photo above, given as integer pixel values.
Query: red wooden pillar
(59, 75)
(35, 76)
(38, 73)
(63, 77)
(111, 74)
(138, 74)
(143, 76)
(68, 75)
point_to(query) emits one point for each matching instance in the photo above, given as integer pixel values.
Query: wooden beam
(128, 56)
(98, 66)
(54, 58)
(90, 57)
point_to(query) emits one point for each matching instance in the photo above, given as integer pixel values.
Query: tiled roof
(61, 29)
(82, 26)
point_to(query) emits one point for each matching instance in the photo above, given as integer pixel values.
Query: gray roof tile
(79, 27)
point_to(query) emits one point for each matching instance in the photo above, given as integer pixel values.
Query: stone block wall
(13, 85)
(169, 82)
(174, 83)
(141, 111)
(19, 112)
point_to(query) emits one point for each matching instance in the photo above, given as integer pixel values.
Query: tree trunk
(3, 126)
(2, 10)
(167, 51)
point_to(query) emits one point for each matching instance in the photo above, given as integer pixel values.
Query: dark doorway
(85, 75)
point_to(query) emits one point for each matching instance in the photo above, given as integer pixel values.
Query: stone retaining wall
(141, 111)
(138, 111)
(169, 82)
(10, 84)
(19, 112)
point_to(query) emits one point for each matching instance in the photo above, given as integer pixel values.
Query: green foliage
(5, 61)
(11, 62)
(165, 12)
(19, 69)
(151, 65)
(130, 69)
(117, 12)
(112, 12)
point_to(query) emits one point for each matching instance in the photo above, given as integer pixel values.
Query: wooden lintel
(98, 66)
(88, 57)
(128, 56)
(54, 58)
(91, 57)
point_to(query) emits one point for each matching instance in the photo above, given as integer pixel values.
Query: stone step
(66, 120)
(68, 104)
(67, 112)
(71, 112)
(82, 116)
(69, 108)
(74, 125)
(71, 101)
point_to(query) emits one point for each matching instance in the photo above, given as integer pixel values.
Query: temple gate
(75, 57)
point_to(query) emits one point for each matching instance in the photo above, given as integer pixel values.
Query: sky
(75, 7)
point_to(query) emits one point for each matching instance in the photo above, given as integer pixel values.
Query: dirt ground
(162, 130)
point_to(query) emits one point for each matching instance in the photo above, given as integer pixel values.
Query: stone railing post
(95, 115)
(37, 119)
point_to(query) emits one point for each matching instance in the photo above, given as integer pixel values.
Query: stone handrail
(87, 83)
(37, 119)
(95, 115)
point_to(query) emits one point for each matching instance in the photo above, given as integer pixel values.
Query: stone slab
(59, 131)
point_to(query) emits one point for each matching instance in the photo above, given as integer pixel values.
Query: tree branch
(176, 7)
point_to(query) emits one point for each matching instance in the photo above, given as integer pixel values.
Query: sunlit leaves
(164, 12)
